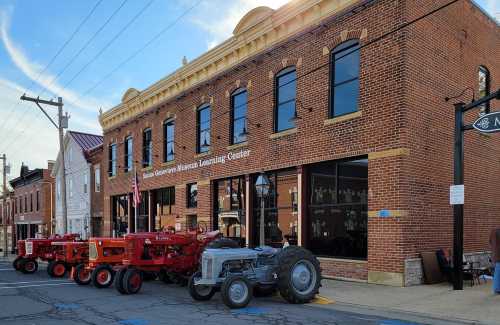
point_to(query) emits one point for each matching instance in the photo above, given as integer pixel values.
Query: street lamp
(262, 186)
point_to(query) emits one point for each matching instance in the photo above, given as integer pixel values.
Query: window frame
(128, 157)
(147, 148)
(166, 124)
(189, 203)
(344, 46)
(233, 120)
(280, 74)
(199, 130)
(97, 178)
(112, 163)
(486, 71)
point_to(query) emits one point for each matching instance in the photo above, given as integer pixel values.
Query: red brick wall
(403, 82)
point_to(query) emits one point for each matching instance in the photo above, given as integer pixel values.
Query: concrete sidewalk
(472, 305)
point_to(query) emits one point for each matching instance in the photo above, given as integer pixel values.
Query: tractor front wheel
(16, 263)
(83, 276)
(236, 291)
(28, 266)
(102, 276)
(56, 269)
(119, 280)
(200, 292)
(132, 281)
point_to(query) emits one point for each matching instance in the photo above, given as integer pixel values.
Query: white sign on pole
(457, 194)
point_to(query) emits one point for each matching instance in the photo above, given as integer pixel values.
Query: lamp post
(262, 185)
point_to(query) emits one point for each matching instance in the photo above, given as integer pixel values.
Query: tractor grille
(29, 248)
(207, 270)
(92, 251)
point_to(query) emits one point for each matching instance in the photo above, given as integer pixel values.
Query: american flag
(135, 190)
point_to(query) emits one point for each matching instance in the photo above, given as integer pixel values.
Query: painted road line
(25, 282)
(322, 300)
(39, 285)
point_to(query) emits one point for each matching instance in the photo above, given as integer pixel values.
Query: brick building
(7, 217)
(94, 157)
(350, 128)
(34, 202)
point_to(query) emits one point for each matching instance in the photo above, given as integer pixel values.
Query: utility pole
(4, 210)
(61, 125)
(458, 180)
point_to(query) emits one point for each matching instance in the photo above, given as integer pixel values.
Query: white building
(78, 177)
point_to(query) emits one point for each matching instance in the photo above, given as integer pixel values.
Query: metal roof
(86, 141)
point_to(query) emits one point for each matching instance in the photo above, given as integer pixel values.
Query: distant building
(7, 217)
(79, 171)
(33, 202)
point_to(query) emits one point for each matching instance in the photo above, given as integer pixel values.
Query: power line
(138, 51)
(117, 35)
(59, 51)
(99, 30)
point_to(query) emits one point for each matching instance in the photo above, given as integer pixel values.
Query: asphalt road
(39, 299)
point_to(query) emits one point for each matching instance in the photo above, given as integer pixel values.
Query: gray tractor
(239, 273)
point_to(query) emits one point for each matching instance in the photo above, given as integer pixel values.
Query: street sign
(488, 123)
(456, 194)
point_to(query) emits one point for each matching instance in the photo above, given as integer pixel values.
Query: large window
(31, 202)
(97, 178)
(119, 213)
(112, 160)
(285, 99)
(484, 87)
(338, 209)
(229, 213)
(280, 209)
(37, 200)
(168, 138)
(203, 129)
(345, 78)
(165, 200)
(239, 116)
(147, 148)
(129, 154)
(192, 195)
(143, 213)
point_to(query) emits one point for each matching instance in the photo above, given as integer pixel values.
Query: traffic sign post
(488, 123)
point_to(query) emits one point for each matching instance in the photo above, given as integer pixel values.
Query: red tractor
(105, 254)
(31, 249)
(68, 255)
(174, 257)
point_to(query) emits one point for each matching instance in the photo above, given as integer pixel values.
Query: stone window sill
(343, 118)
(283, 133)
(168, 163)
(237, 145)
(203, 154)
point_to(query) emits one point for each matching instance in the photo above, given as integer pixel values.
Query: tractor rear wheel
(299, 275)
(236, 291)
(200, 292)
(28, 266)
(119, 280)
(102, 276)
(16, 263)
(132, 281)
(56, 269)
(83, 276)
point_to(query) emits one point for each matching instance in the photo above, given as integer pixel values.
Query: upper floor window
(192, 195)
(147, 148)
(37, 201)
(129, 153)
(85, 182)
(97, 178)
(31, 202)
(203, 129)
(112, 160)
(345, 78)
(286, 84)
(239, 116)
(484, 87)
(168, 136)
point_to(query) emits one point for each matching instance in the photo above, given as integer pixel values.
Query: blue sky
(32, 31)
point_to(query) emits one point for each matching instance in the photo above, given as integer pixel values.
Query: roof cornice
(258, 30)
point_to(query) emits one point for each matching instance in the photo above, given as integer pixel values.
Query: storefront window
(119, 212)
(192, 195)
(143, 213)
(230, 208)
(338, 205)
(280, 210)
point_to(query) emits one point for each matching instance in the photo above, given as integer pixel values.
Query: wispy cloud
(33, 70)
(219, 24)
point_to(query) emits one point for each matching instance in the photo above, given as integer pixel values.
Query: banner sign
(488, 123)
(217, 160)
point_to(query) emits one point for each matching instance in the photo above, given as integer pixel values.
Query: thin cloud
(32, 70)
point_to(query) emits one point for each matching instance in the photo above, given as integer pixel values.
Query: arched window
(344, 78)
(484, 87)
(203, 128)
(239, 116)
(286, 84)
